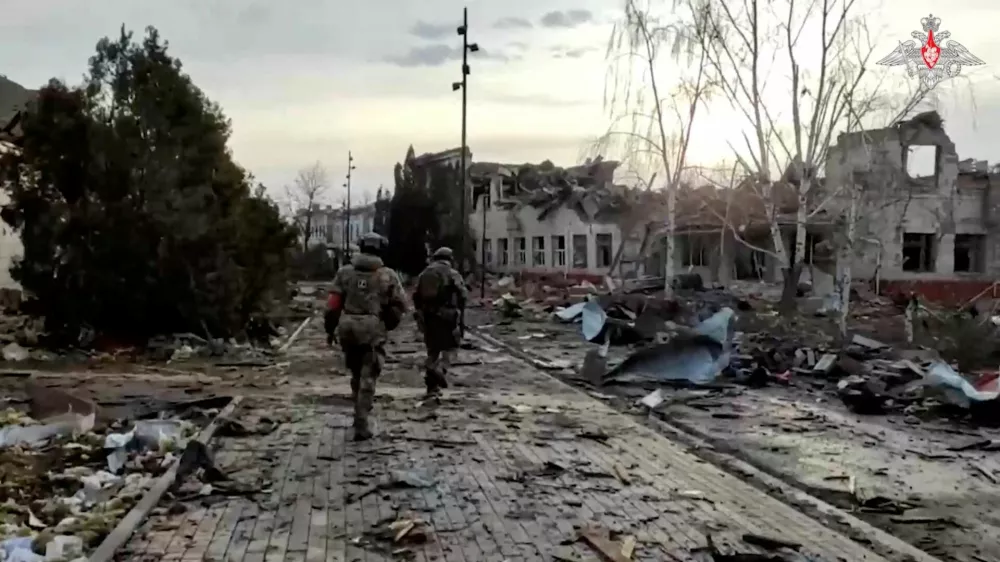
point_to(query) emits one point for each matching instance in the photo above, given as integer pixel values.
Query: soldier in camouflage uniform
(366, 302)
(438, 302)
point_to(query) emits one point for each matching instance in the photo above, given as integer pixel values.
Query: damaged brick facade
(929, 222)
(544, 220)
(11, 248)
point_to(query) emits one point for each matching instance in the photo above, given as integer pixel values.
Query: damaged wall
(327, 225)
(919, 225)
(542, 219)
(10, 241)
(522, 223)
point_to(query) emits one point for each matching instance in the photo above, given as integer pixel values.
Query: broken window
(502, 250)
(811, 241)
(969, 253)
(918, 252)
(538, 250)
(559, 251)
(486, 200)
(750, 264)
(922, 162)
(813, 250)
(487, 251)
(694, 250)
(519, 245)
(604, 251)
(580, 251)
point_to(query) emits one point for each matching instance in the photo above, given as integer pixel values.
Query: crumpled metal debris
(571, 313)
(954, 387)
(37, 433)
(696, 356)
(594, 319)
(160, 435)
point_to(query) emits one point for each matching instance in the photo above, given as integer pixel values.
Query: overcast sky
(308, 80)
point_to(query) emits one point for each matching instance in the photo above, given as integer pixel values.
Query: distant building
(10, 240)
(329, 227)
(13, 99)
(546, 220)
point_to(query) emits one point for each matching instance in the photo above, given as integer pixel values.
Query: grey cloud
(567, 18)
(426, 30)
(430, 55)
(254, 14)
(512, 23)
(439, 54)
(562, 51)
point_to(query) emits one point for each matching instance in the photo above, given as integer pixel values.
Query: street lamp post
(467, 48)
(347, 207)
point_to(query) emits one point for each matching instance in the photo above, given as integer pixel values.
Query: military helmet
(443, 253)
(372, 243)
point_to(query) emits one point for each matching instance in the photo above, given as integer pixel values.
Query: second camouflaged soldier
(366, 302)
(438, 302)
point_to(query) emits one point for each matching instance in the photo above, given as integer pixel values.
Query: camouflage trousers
(365, 363)
(441, 337)
(436, 368)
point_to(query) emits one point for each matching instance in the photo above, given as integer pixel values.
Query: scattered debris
(599, 539)
(398, 480)
(66, 480)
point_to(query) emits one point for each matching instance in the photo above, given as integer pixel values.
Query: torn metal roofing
(588, 189)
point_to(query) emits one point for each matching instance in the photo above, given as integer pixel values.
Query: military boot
(362, 429)
(433, 382)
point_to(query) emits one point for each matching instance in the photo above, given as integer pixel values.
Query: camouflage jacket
(369, 288)
(439, 286)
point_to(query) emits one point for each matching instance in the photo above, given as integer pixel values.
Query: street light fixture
(347, 214)
(467, 48)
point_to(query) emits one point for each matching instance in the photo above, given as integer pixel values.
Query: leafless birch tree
(825, 49)
(653, 116)
(305, 196)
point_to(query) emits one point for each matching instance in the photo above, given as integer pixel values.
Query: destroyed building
(541, 219)
(724, 234)
(331, 226)
(544, 220)
(12, 99)
(929, 221)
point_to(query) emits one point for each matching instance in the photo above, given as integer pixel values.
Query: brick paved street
(509, 466)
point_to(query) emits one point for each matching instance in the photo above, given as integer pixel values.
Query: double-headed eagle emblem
(928, 59)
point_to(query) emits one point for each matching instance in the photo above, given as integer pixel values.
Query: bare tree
(877, 191)
(654, 131)
(305, 196)
(750, 41)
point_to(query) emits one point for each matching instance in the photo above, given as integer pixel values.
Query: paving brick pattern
(517, 461)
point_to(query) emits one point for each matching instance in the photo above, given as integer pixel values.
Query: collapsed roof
(13, 98)
(587, 189)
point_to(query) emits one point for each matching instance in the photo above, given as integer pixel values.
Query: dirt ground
(940, 500)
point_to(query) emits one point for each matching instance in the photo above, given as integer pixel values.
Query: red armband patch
(334, 302)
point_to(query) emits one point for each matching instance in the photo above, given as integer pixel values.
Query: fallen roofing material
(588, 189)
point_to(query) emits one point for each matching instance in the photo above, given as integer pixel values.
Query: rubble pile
(65, 482)
(698, 343)
(263, 338)
(182, 347)
(693, 339)
(23, 337)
